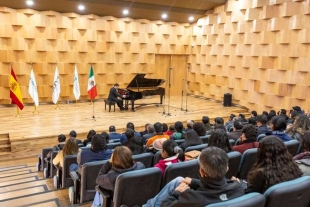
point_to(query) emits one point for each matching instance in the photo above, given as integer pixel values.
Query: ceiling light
(191, 18)
(125, 12)
(81, 7)
(29, 3)
(164, 16)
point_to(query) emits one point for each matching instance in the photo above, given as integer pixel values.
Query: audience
(241, 118)
(247, 139)
(165, 128)
(303, 159)
(218, 120)
(199, 128)
(253, 114)
(212, 187)
(113, 134)
(70, 148)
(129, 125)
(191, 139)
(61, 142)
(170, 131)
(278, 127)
(145, 130)
(158, 127)
(219, 139)
(299, 127)
(135, 144)
(230, 122)
(236, 133)
(150, 132)
(73, 134)
(90, 134)
(261, 122)
(189, 125)
(206, 122)
(178, 134)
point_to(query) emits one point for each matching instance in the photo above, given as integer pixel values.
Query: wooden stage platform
(26, 135)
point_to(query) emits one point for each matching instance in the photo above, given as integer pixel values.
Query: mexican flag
(91, 88)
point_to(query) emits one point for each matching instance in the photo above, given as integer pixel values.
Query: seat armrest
(74, 176)
(39, 156)
(105, 195)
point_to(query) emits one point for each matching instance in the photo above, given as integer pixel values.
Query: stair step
(4, 141)
(4, 136)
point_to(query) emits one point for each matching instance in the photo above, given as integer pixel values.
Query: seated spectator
(219, 139)
(120, 162)
(241, 118)
(282, 112)
(304, 156)
(247, 139)
(252, 121)
(135, 144)
(253, 114)
(90, 134)
(158, 127)
(170, 131)
(165, 128)
(206, 122)
(106, 136)
(230, 122)
(274, 164)
(145, 130)
(171, 153)
(261, 122)
(189, 125)
(97, 152)
(299, 127)
(178, 134)
(278, 127)
(61, 142)
(70, 148)
(218, 120)
(150, 132)
(113, 134)
(129, 125)
(298, 109)
(265, 113)
(191, 139)
(73, 134)
(199, 128)
(211, 187)
(237, 131)
(219, 126)
(271, 114)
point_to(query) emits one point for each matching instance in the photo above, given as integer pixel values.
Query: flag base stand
(17, 115)
(91, 102)
(57, 107)
(35, 110)
(76, 104)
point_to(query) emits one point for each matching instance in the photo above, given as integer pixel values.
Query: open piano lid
(140, 82)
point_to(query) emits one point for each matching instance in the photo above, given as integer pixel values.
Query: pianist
(115, 96)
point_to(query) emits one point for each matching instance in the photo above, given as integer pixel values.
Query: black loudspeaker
(227, 99)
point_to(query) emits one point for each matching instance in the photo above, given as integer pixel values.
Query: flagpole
(76, 103)
(17, 110)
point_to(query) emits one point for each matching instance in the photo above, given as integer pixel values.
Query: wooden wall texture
(258, 50)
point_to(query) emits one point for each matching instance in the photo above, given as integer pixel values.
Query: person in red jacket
(248, 139)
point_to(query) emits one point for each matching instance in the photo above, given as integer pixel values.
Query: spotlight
(191, 18)
(125, 12)
(164, 16)
(29, 2)
(81, 7)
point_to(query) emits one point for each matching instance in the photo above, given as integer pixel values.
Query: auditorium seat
(199, 147)
(145, 158)
(62, 179)
(248, 200)
(238, 142)
(291, 193)
(179, 141)
(205, 139)
(261, 136)
(247, 161)
(113, 145)
(234, 162)
(232, 142)
(183, 169)
(50, 170)
(133, 188)
(292, 146)
(157, 157)
(41, 164)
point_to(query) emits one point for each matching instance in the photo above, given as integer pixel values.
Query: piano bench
(110, 103)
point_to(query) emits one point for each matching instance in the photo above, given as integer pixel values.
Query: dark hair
(265, 113)
(214, 162)
(242, 116)
(250, 132)
(192, 139)
(283, 111)
(262, 119)
(179, 126)
(294, 114)
(252, 121)
(219, 120)
(172, 148)
(232, 116)
(254, 113)
(238, 124)
(158, 127)
(90, 134)
(98, 143)
(220, 126)
(105, 136)
(271, 114)
(165, 127)
(305, 141)
(274, 163)
(200, 128)
(61, 138)
(72, 134)
(219, 139)
(205, 120)
(278, 123)
(171, 128)
(116, 84)
(122, 158)
(301, 124)
(129, 133)
(112, 129)
(130, 125)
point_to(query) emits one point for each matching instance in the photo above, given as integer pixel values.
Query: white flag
(56, 87)
(76, 85)
(33, 90)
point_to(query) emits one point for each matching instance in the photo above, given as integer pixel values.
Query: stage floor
(51, 122)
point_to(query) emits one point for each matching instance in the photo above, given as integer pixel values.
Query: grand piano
(140, 87)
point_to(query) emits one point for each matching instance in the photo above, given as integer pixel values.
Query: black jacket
(263, 130)
(135, 144)
(204, 192)
(113, 94)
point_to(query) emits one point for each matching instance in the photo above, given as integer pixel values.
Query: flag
(15, 92)
(33, 90)
(56, 87)
(91, 88)
(76, 84)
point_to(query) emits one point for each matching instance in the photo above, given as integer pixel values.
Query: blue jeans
(156, 201)
(73, 167)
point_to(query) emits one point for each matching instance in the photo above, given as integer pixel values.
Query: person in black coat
(116, 97)
(135, 144)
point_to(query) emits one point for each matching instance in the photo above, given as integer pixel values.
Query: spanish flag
(15, 92)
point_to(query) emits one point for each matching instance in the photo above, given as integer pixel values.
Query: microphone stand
(169, 87)
(188, 67)
(182, 94)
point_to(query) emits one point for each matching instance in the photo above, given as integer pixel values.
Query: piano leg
(133, 105)
(161, 99)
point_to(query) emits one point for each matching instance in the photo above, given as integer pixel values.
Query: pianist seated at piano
(116, 97)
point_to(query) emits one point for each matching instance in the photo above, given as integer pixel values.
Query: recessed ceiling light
(164, 16)
(191, 18)
(29, 3)
(81, 7)
(125, 12)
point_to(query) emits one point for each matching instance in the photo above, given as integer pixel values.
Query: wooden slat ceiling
(177, 10)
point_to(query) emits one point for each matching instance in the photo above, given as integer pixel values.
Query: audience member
(158, 127)
(206, 122)
(120, 162)
(73, 134)
(299, 127)
(282, 112)
(241, 118)
(237, 131)
(261, 122)
(135, 144)
(106, 136)
(212, 187)
(171, 153)
(191, 139)
(247, 139)
(178, 134)
(113, 134)
(230, 123)
(145, 130)
(218, 120)
(252, 121)
(70, 148)
(129, 125)
(90, 134)
(271, 114)
(165, 128)
(170, 131)
(303, 159)
(219, 126)
(265, 113)
(150, 132)
(253, 114)
(189, 125)
(219, 139)
(278, 127)
(61, 142)
(199, 128)
(297, 108)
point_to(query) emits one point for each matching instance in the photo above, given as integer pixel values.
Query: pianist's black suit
(113, 97)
